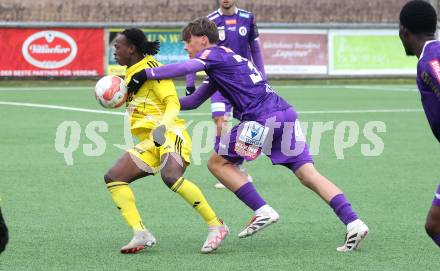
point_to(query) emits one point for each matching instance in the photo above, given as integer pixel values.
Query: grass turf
(62, 218)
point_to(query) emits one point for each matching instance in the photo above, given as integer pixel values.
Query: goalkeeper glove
(159, 135)
(190, 90)
(136, 82)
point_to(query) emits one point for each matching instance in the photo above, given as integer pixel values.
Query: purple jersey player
(237, 31)
(4, 237)
(418, 22)
(268, 124)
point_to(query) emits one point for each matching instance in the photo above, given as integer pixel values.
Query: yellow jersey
(154, 104)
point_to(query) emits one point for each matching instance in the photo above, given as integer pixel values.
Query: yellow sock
(124, 199)
(192, 194)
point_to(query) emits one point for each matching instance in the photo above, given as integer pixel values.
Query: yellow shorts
(177, 141)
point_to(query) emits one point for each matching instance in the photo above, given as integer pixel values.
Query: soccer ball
(111, 91)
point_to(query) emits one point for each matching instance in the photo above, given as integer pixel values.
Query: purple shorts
(220, 106)
(278, 135)
(436, 200)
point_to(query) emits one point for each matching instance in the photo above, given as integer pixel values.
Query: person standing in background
(238, 31)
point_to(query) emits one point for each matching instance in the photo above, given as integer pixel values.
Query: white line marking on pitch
(403, 88)
(78, 109)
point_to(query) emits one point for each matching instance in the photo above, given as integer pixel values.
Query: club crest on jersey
(243, 31)
(221, 33)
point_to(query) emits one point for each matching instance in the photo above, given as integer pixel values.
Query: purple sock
(436, 240)
(250, 196)
(342, 207)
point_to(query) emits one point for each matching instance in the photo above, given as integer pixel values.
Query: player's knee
(304, 179)
(307, 176)
(219, 124)
(219, 128)
(432, 227)
(108, 177)
(213, 165)
(170, 177)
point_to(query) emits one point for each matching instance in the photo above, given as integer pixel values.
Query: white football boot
(356, 232)
(216, 234)
(259, 222)
(141, 240)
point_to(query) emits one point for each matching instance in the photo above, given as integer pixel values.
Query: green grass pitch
(61, 217)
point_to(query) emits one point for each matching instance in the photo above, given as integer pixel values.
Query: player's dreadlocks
(201, 27)
(136, 37)
(419, 17)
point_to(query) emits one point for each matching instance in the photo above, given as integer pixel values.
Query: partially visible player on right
(4, 237)
(418, 23)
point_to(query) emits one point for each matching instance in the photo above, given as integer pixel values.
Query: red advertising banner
(294, 51)
(51, 52)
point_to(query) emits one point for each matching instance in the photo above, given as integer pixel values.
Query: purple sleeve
(175, 70)
(202, 93)
(191, 80)
(257, 57)
(253, 33)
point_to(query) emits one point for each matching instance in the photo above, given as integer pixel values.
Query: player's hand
(4, 237)
(137, 80)
(190, 90)
(159, 135)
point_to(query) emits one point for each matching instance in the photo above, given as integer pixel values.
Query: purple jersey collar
(424, 46)
(221, 13)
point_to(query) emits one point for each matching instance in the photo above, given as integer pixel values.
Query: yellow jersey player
(164, 146)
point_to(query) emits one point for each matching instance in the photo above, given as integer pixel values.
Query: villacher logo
(49, 49)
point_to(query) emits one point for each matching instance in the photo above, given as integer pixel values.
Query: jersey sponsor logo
(231, 22)
(244, 15)
(435, 65)
(232, 28)
(251, 140)
(205, 54)
(254, 133)
(49, 49)
(242, 30)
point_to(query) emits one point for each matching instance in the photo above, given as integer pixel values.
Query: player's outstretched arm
(202, 93)
(175, 70)
(164, 72)
(190, 84)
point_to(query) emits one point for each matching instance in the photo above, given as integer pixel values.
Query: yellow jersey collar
(139, 65)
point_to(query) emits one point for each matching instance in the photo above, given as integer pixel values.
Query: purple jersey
(428, 82)
(237, 79)
(236, 31)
